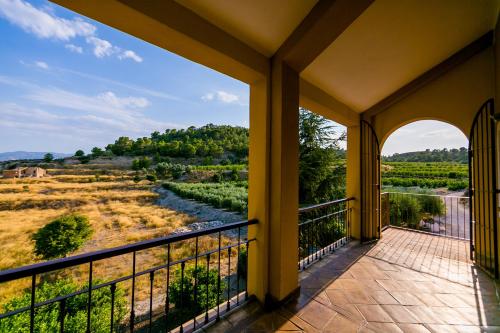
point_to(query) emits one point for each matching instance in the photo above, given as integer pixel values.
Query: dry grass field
(119, 210)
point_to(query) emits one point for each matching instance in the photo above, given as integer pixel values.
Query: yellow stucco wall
(454, 98)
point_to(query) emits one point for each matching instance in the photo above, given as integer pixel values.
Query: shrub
(161, 169)
(234, 175)
(48, 316)
(405, 208)
(137, 178)
(141, 163)
(84, 159)
(432, 205)
(62, 236)
(242, 263)
(151, 178)
(182, 289)
(217, 177)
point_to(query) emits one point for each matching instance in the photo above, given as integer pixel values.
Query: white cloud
(41, 64)
(104, 103)
(222, 96)
(130, 55)
(227, 97)
(74, 48)
(42, 23)
(208, 97)
(123, 102)
(102, 48)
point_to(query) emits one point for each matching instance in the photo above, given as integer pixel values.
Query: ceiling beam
(456, 59)
(320, 102)
(175, 28)
(324, 23)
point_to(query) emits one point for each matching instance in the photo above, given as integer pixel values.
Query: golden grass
(120, 212)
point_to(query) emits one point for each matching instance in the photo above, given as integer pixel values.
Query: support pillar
(273, 184)
(353, 181)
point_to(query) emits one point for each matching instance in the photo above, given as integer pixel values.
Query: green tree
(96, 152)
(161, 169)
(48, 158)
(62, 236)
(121, 146)
(141, 163)
(79, 153)
(321, 176)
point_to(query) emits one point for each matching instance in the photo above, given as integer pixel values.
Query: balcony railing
(198, 283)
(444, 215)
(322, 229)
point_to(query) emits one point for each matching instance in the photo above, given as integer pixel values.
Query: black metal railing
(444, 215)
(322, 229)
(198, 283)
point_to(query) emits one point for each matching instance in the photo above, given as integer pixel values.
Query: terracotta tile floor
(406, 282)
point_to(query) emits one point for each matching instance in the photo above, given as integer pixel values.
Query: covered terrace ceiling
(354, 52)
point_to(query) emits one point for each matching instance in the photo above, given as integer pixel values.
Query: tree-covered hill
(206, 141)
(435, 155)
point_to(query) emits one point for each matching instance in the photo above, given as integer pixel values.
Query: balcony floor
(406, 282)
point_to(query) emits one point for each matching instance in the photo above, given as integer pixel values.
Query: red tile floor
(406, 282)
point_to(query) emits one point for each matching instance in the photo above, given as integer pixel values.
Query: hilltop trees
(206, 141)
(435, 155)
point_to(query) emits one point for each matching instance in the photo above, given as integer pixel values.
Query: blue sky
(68, 83)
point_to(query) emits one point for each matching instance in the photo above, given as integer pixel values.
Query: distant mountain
(27, 155)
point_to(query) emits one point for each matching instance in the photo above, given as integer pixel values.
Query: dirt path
(207, 216)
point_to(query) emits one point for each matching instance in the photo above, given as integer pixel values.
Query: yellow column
(353, 180)
(284, 181)
(258, 188)
(273, 184)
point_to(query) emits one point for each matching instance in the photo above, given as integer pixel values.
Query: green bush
(84, 159)
(47, 318)
(151, 178)
(182, 289)
(242, 263)
(432, 205)
(62, 236)
(141, 163)
(405, 210)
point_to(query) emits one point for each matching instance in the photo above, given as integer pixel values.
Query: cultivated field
(453, 176)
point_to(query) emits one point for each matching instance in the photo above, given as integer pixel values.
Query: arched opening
(424, 176)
